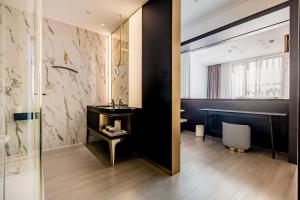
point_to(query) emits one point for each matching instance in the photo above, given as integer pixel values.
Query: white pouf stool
(236, 137)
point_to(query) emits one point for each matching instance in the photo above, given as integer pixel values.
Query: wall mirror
(126, 59)
(126, 62)
(120, 63)
(248, 61)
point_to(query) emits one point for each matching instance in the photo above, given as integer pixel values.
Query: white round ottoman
(236, 137)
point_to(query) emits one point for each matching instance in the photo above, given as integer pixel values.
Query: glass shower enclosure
(20, 100)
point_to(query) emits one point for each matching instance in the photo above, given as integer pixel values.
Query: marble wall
(19, 77)
(67, 93)
(120, 63)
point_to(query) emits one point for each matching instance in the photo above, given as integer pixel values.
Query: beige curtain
(213, 84)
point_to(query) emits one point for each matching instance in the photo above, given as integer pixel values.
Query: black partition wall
(294, 81)
(157, 131)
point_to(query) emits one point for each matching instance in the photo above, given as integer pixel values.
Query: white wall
(198, 80)
(240, 11)
(135, 60)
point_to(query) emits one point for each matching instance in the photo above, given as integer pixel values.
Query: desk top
(245, 112)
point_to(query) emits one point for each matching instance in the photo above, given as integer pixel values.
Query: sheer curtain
(259, 78)
(185, 75)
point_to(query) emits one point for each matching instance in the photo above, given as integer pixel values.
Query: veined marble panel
(19, 80)
(69, 93)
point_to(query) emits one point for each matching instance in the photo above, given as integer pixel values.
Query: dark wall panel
(294, 80)
(259, 125)
(156, 125)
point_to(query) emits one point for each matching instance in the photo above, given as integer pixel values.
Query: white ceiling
(196, 11)
(259, 44)
(87, 14)
(90, 14)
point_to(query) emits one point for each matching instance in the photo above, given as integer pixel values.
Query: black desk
(269, 115)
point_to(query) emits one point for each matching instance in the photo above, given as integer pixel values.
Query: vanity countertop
(105, 109)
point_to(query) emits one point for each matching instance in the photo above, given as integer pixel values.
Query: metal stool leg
(272, 136)
(205, 125)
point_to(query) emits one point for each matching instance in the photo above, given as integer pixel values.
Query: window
(185, 76)
(259, 78)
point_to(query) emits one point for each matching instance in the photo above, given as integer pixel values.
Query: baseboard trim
(158, 166)
(62, 147)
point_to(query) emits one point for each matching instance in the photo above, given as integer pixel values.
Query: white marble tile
(18, 79)
(69, 93)
(24, 186)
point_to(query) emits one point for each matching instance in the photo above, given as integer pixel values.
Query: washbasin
(113, 107)
(110, 109)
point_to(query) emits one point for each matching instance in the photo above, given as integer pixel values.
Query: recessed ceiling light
(102, 24)
(271, 41)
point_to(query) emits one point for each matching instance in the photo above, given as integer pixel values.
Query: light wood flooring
(208, 171)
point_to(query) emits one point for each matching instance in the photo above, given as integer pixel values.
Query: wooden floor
(208, 171)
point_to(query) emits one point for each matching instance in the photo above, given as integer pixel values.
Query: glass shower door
(20, 99)
(2, 136)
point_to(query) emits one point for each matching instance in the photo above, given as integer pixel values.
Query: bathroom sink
(111, 109)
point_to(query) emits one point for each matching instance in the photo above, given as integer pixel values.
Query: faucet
(121, 103)
(112, 103)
